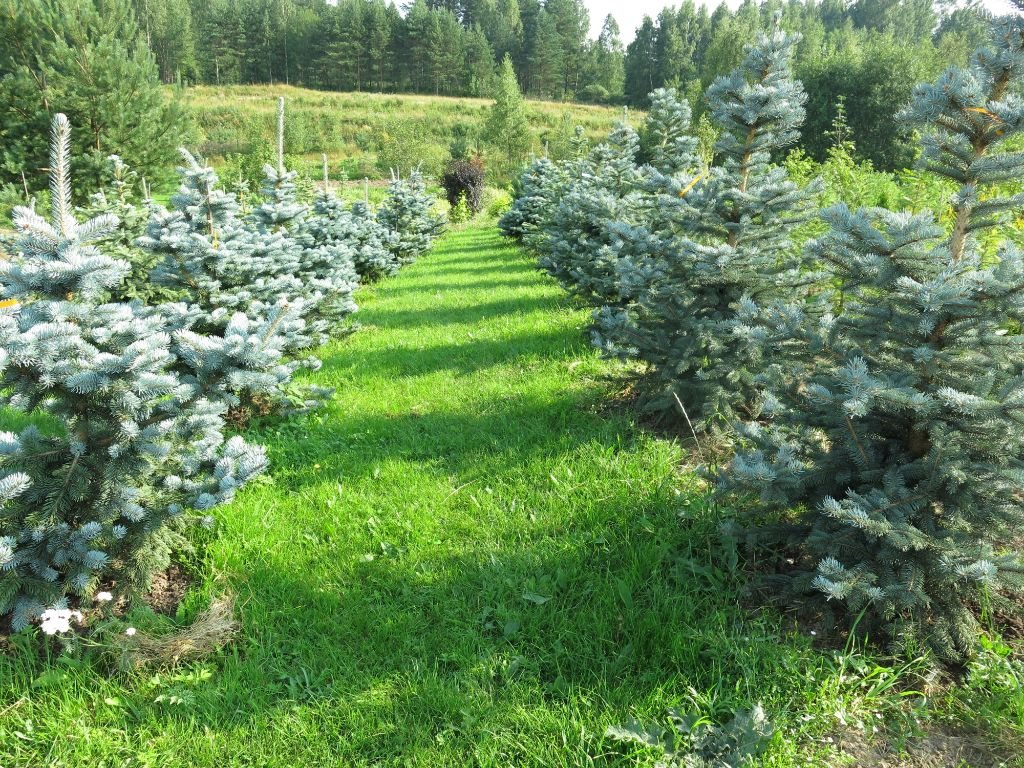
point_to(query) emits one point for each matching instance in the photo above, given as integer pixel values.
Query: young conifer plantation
(895, 418)
(687, 449)
(137, 393)
(870, 380)
(140, 404)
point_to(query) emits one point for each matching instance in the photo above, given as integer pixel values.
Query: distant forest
(868, 53)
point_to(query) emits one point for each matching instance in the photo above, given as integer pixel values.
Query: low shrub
(463, 180)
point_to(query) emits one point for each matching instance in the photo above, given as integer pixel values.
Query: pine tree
(408, 211)
(897, 414)
(141, 444)
(546, 58)
(507, 130)
(716, 239)
(90, 62)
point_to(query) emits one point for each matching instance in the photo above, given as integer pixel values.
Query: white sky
(629, 13)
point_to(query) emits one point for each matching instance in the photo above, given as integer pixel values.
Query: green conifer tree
(506, 130)
(88, 60)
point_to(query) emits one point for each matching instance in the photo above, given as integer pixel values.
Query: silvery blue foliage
(373, 246)
(602, 204)
(896, 420)
(668, 249)
(408, 212)
(244, 281)
(592, 224)
(716, 241)
(666, 142)
(140, 439)
(535, 199)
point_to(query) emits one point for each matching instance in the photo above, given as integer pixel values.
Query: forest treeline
(99, 61)
(869, 52)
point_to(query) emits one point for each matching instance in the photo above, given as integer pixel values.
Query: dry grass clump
(213, 629)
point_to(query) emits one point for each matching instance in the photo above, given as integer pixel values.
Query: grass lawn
(468, 559)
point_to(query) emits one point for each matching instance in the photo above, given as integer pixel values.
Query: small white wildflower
(130, 631)
(813, 633)
(103, 597)
(56, 620)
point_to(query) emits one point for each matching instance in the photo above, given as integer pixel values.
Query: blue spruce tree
(140, 441)
(896, 418)
(374, 248)
(408, 212)
(228, 270)
(599, 198)
(712, 240)
(534, 201)
(323, 272)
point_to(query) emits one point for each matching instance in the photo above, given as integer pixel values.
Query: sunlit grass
(468, 559)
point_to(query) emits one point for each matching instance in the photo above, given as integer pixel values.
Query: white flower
(130, 631)
(103, 597)
(56, 620)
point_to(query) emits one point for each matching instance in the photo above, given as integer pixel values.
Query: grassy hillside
(365, 133)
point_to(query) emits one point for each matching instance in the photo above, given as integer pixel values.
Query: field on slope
(356, 129)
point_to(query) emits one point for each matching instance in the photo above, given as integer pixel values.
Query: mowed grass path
(465, 559)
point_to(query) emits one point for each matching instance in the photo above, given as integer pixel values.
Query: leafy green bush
(460, 213)
(496, 202)
(695, 742)
(402, 148)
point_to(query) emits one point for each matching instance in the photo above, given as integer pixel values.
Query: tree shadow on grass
(507, 435)
(477, 631)
(489, 267)
(425, 284)
(485, 652)
(475, 312)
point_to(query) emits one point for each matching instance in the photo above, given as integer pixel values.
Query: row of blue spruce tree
(129, 397)
(872, 382)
